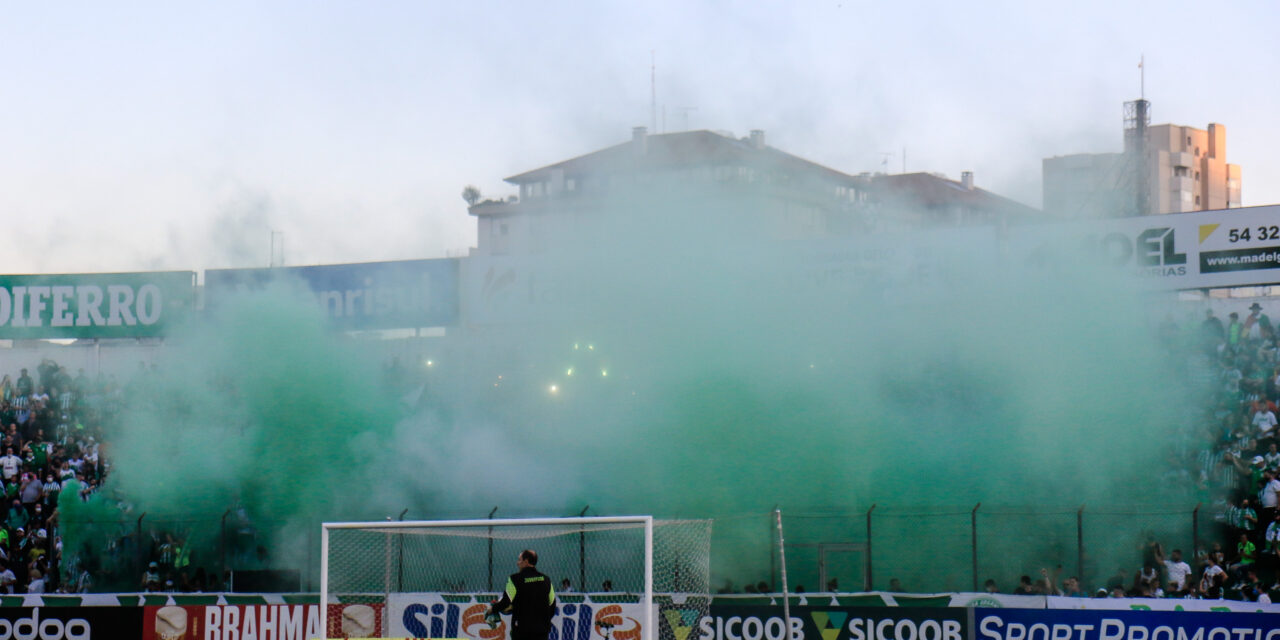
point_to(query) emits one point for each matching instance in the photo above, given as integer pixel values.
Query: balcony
(1181, 183)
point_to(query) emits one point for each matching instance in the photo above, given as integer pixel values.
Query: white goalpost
(429, 578)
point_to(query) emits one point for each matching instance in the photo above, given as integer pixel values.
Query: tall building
(707, 187)
(1185, 170)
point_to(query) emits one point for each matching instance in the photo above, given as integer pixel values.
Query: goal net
(616, 578)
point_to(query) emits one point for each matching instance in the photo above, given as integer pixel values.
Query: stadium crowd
(52, 426)
(1227, 457)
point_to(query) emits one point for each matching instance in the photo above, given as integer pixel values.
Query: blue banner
(367, 295)
(1066, 624)
(766, 622)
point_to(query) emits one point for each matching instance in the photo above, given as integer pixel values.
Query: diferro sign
(93, 305)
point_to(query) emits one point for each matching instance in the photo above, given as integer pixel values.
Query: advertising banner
(221, 622)
(1064, 624)
(1206, 249)
(998, 600)
(94, 305)
(354, 620)
(830, 623)
(362, 296)
(70, 623)
(428, 615)
(505, 290)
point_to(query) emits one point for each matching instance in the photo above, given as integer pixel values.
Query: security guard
(530, 598)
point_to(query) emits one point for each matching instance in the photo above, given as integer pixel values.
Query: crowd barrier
(865, 616)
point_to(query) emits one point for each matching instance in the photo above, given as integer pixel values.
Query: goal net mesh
(602, 562)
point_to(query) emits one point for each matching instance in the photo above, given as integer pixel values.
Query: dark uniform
(531, 600)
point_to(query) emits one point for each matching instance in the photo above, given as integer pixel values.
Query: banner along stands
(1066, 624)
(94, 305)
(1200, 250)
(356, 297)
(238, 622)
(70, 623)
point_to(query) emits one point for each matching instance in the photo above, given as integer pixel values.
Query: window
(1197, 175)
(1188, 141)
(1197, 152)
(502, 229)
(569, 184)
(1179, 171)
(1197, 200)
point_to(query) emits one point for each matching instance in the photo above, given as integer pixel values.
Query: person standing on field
(530, 598)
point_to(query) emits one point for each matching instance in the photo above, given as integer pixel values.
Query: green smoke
(258, 411)
(718, 385)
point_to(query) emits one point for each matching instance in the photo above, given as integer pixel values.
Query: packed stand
(52, 426)
(1226, 458)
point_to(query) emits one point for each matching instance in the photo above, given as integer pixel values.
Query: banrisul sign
(93, 305)
(368, 295)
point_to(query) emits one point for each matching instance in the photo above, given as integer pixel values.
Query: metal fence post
(773, 551)
(312, 552)
(582, 551)
(1080, 543)
(495, 510)
(973, 538)
(870, 578)
(400, 554)
(1195, 530)
(222, 543)
(142, 555)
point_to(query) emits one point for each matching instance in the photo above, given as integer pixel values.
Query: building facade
(703, 187)
(1186, 170)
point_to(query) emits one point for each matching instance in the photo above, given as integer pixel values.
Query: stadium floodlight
(399, 578)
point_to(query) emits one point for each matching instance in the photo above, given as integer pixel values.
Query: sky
(148, 135)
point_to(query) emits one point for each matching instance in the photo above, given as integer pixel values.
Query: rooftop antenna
(653, 91)
(685, 111)
(884, 160)
(1137, 117)
(277, 242)
(1142, 77)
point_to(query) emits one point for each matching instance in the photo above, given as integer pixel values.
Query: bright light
(575, 346)
(591, 347)
(554, 389)
(604, 373)
(431, 363)
(569, 372)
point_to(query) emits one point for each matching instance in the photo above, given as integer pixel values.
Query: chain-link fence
(886, 547)
(166, 553)
(930, 550)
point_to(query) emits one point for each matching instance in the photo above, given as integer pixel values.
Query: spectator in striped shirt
(21, 408)
(24, 384)
(1242, 519)
(1272, 457)
(51, 489)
